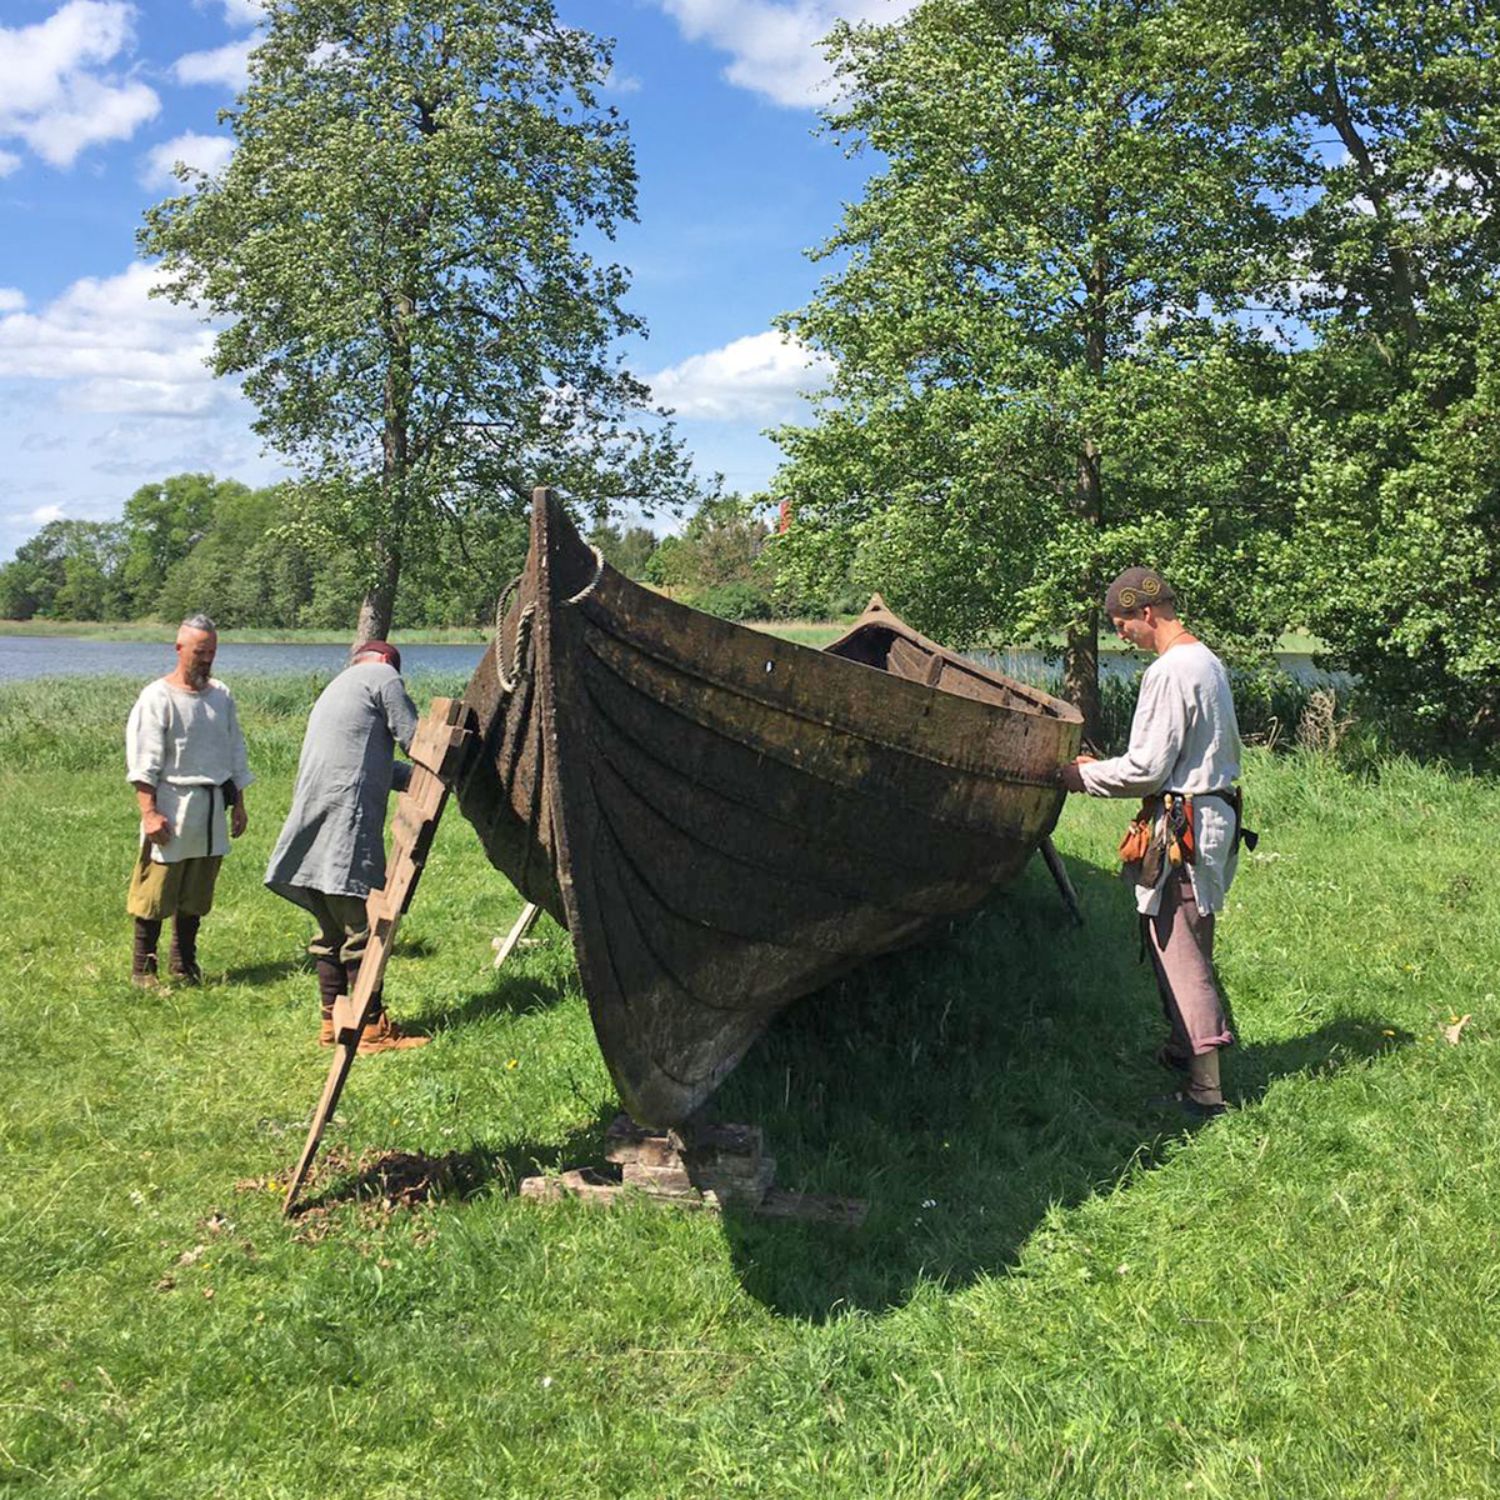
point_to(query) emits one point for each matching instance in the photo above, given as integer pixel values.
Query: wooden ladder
(437, 750)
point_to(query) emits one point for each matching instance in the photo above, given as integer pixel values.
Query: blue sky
(103, 389)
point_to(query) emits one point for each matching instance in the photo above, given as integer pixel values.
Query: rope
(508, 683)
(593, 583)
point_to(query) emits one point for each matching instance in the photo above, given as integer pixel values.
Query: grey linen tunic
(1184, 738)
(333, 840)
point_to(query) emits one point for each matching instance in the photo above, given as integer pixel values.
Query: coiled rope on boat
(510, 681)
(593, 583)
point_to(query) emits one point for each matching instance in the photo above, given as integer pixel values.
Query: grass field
(1057, 1291)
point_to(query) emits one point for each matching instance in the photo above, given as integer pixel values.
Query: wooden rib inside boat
(725, 821)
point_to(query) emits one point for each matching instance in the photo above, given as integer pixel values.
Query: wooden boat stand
(710, 1167)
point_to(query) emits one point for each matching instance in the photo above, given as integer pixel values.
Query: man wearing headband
(1183, 760)
(331, 853)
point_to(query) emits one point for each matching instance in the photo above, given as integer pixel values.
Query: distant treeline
(250, 557)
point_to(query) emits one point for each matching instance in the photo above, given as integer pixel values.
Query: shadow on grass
(408, 1179)
(964, 1089)
(514, 994)
(269, 973)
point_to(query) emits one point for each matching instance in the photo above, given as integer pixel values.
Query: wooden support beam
(437, 750)
(1060, 874)
(505, 946)
(711, 1169)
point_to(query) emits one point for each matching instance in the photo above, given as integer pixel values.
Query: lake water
(24, 656)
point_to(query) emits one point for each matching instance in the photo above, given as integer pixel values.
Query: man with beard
(185, 757)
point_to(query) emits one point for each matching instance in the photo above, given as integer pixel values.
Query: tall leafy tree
(70, 570)
(1396, 419)
(404, 244)
(1043, 369)
(163, 522)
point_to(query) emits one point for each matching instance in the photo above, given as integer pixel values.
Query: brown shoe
(384, 1035)
(325, 1032)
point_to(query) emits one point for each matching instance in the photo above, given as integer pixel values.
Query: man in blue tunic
(331, 853)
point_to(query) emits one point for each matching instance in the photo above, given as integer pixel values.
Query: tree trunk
(378, 608)
(1081, 646)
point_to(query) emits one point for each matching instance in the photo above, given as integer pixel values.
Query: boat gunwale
(595, 608)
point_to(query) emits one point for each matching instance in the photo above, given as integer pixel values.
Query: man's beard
(197, 675)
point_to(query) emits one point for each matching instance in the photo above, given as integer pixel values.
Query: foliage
(1033, 323)
(1056, 1293)
(163, 523)
(68, 570)
(716, 561)
(629, 550)
(398, 240)
(1396, 262)
(741, 600)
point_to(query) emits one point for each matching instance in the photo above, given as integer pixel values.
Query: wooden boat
(724, 821)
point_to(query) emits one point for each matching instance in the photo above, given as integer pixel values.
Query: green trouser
(343, 926)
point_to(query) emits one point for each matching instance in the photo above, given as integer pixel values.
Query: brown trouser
(184, 888)
(1181, 942)
(343, 926)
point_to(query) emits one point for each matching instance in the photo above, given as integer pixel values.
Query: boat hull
(725, 821)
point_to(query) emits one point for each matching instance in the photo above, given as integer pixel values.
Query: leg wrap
(147, 935)
(184, 958)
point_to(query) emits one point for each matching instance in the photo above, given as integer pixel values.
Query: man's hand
(156, 826)
(239, 820)
(1069, 776)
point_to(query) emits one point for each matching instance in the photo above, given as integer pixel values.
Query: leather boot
(1203, 1080)
(183, 961)
(381, 1034)
(143, 958)
(330, 987)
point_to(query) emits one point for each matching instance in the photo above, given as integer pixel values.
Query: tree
(398, 241)
(70, 570)
(1043, 369)
(163, 523)
(1396, 557)
(628, 550)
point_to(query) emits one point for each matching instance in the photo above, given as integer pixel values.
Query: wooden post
(505, 946)
(437, 749)
(1060, 875)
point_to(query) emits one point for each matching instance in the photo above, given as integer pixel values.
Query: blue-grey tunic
(334, 837)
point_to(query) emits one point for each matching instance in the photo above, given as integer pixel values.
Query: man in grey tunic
(331, 853)
(1184, 744)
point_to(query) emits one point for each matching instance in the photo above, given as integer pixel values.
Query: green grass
(1054, 1294)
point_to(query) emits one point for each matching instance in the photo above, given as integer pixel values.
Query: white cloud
(115, 348)
(228, 65)
(50, 95)
(757, 378)
(11, 299)
(205, 153)
(775, 45)
(244, 12)
(41, 516)
(620, 83)
(9, 161)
